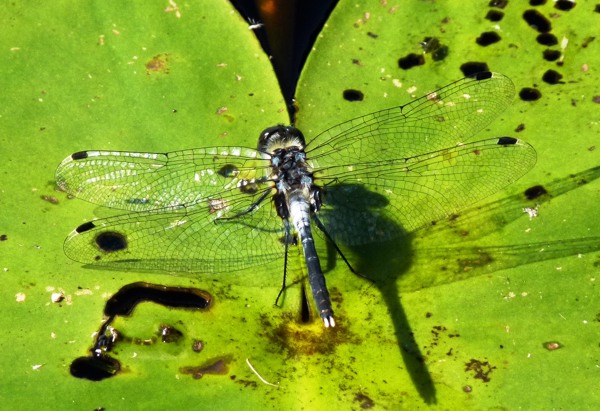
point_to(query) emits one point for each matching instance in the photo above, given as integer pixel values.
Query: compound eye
(268, 136)
(281, 136)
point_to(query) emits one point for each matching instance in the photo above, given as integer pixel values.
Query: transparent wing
(444, 118)
(146, 181)
(194, 209)
(396, 170)
(203, 237)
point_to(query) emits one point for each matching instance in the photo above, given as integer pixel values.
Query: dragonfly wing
(146, 181)
(354, 215)
(416, 163)
(406, 195)
(203, 238)
(444, 118)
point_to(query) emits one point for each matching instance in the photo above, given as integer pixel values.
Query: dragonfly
(218, 210)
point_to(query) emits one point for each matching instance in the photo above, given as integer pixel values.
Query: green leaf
(114, 76)
(481, 295)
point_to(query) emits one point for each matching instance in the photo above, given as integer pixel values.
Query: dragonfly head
(280, 136)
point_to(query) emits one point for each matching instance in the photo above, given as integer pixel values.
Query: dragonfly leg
(321, 227)
(287, 241)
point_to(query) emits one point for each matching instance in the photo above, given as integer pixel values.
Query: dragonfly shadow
(409, 262)
(356, 216)
(384, 263)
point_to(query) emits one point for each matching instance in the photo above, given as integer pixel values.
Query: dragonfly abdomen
(299, 208)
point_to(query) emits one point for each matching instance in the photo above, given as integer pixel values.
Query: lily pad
(490, 308)
(485, 291)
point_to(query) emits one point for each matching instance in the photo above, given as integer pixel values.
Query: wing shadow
(405, 264)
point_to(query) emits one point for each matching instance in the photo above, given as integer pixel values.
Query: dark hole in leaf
(552, 77)
(564, 5)
(410, 61)
(353, 95)
(529, 94)
(487, 38)
(94, 368)
(537, 21)
(128, 297)
(470, 68)
(547, 39)
(498, 3)
(551, 55)
(494, 15)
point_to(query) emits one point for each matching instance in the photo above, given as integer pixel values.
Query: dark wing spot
(111, 241)
(138, 201)
(80, 155)
(504, 141)
(228, 170)
(85, 227)
(441, 53)
(248, 188)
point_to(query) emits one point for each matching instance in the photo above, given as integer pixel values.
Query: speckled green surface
(474, 300)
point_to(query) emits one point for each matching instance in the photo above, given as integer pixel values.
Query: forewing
(145, 181)
(444, 118)
(398, 169)
(396, 196)
(204, 238)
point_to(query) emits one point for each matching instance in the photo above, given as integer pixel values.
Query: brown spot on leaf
(158, 64)
(481, 369)
(215, 366)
